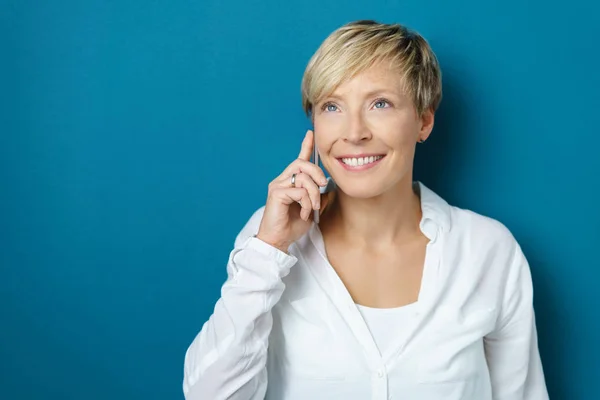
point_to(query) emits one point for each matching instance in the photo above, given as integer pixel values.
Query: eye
(381, 103)
(329, 107)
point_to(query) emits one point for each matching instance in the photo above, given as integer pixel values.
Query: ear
(426, 124)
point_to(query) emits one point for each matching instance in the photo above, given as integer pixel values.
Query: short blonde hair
(358, 45)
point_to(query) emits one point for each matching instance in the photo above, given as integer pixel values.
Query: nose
(357, 129)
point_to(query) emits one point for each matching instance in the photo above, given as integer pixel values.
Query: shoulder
(470, 224)
(251, 226)
(482, 238)
(464, 229)
(482, 250)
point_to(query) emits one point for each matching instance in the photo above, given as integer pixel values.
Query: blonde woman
(394, 293)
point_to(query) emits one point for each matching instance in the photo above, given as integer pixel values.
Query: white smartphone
(316, 213)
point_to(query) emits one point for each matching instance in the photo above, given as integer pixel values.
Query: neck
(379, 221)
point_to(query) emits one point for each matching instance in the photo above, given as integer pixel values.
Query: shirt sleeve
(512, 349)
(227, 359)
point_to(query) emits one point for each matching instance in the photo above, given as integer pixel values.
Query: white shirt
(286, 328)
(387, 324)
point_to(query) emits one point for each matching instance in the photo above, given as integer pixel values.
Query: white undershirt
(387, 324)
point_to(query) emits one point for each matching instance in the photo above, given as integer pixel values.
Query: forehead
(379, 77)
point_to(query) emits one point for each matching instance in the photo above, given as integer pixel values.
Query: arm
(227, 360)
(512, 350)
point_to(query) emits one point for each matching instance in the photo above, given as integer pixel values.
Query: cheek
(396, 132)
(327, 131)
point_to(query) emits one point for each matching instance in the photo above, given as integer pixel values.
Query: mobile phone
(316, 213)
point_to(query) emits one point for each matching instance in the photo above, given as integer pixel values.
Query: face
(366, 133)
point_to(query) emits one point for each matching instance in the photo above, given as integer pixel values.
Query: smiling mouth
(360, 164)
(360, 161)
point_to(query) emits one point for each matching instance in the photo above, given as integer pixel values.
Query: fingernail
(317, 206)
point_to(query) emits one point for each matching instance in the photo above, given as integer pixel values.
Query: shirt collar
(436, 212)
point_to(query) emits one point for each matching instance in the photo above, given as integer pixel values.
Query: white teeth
(354, 162)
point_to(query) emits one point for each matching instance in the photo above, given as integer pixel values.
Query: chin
(360, 190)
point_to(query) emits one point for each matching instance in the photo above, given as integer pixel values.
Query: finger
(295, 195)
(305, 181)
(306, 167)
(307, 146)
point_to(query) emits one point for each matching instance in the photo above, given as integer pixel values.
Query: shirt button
(380, 373)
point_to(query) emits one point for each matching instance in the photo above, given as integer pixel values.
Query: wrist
(274, 243)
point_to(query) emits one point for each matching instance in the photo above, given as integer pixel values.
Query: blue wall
(136, 138)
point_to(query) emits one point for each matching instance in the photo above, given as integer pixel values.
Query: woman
(394, 293)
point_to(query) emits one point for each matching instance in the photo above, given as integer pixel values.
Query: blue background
(137, 137)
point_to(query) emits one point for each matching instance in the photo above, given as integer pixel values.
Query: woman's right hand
(289, 209)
